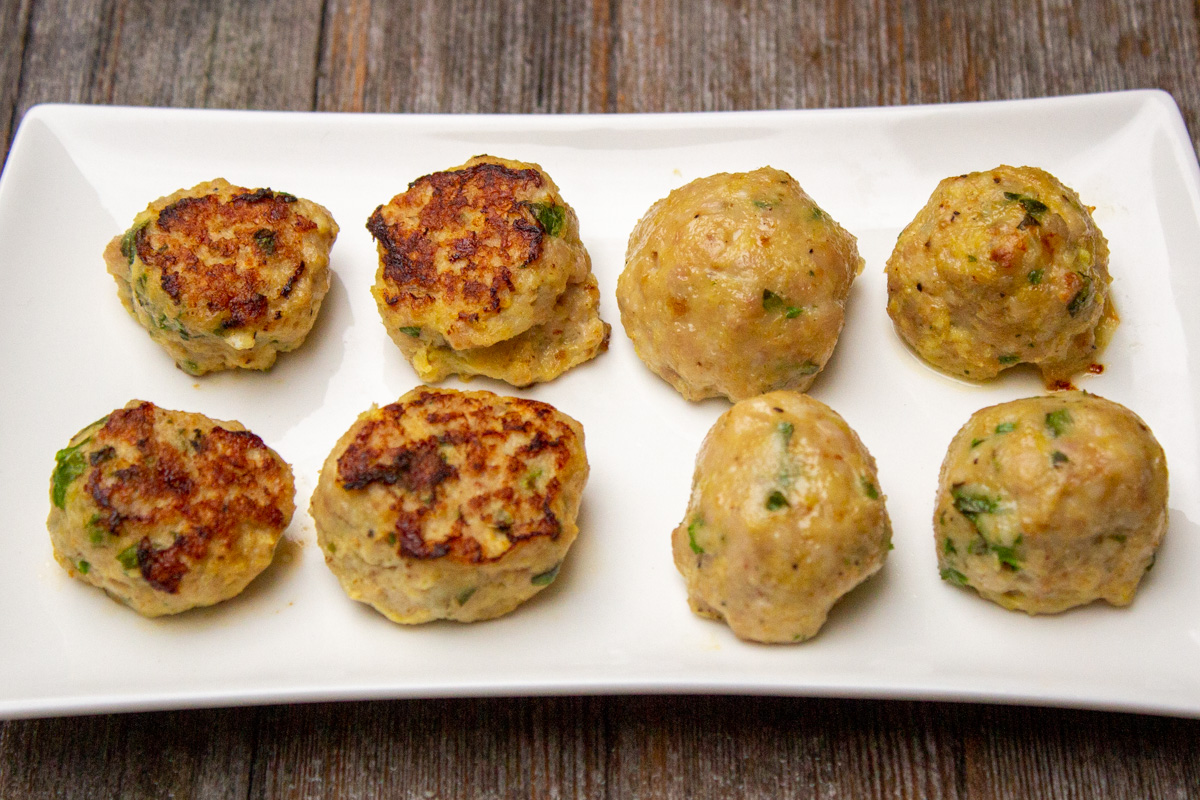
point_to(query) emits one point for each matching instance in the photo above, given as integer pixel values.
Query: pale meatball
(451, 505)
(1001, 268)
(573, 334)
(167, 510)
(225, 277)
(786, 516)
(1051, 502)
(736, 284)
(476, 254)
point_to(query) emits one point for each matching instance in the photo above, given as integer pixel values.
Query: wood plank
(677, 55)
(184, 754)
(534, 748)
(464, 56)
(646, 747)
(14, 22)
(194, 53)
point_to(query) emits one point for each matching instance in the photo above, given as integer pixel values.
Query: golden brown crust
(461, 462)
(223, 276)
(204, 487)
(209, 252)
(473, 220)
(476, 254)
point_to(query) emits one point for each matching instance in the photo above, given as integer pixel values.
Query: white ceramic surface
(616, 620)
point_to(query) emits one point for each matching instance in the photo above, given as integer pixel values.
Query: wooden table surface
(553, 56)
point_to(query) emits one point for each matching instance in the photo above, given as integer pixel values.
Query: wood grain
(620, 747)
(573, 56)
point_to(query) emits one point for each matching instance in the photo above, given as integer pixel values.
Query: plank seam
(319, 56)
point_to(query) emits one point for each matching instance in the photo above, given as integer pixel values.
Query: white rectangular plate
(617, 619)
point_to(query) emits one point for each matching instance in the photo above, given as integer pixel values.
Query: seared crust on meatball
(1001, 268)
(1051, 502)
(223, 276)
(476, 254)
(573, 334)
(451, 505)
(167, 510)
(735, 285)
(786, 516)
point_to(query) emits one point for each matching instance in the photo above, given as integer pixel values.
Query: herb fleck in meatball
(1000, 268)
(225, 277)
(786, 516)
(1051, 502)
(735, 285)
(451, 505)
(167, 510)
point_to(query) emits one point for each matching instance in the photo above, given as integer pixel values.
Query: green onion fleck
(691, 529)
(951, 575)
(1032, 205)
(465, 595)
(1058, 421)
(84, 567)
(69, 464)
(129, 557)
(775, 302)
(1035, 276)
(1081, 297)
(1058, 457)
(971, 503)
(948, 547)
(265, 239)
(411, 330)
(1006, 427)
(1008, 359)
(808, 368)
(869, 488)
(976, 442)
(551, 217)
(129, 241)
(546, 578)
(776, 501)
(1007, 555)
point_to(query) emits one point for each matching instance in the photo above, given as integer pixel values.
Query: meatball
(223, 276)
(573, 334)
(1051, 502)
(1001, 268)
(474, 257)
(167, 510)
(786, 516)
(451, 505)
(735, 285)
